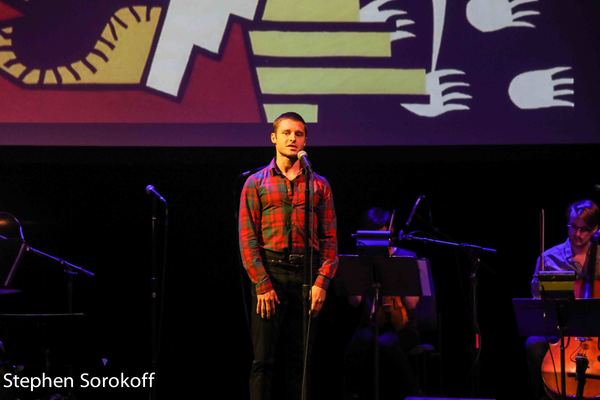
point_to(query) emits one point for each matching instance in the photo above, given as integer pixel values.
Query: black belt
(287, 258)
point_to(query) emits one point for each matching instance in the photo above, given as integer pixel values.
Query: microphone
(411, 215)
(152, 192)
(303, 157)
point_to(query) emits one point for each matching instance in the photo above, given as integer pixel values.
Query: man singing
(271, 232)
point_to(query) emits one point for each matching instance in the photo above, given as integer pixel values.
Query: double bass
(582, 354)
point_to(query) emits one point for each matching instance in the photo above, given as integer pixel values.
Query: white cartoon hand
(372, 13)
(493, 15)
(538, 89)
(440, 102)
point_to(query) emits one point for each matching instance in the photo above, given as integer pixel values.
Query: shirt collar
(274, 168)
(276, 171)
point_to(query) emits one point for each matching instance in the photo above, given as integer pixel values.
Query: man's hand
(317, 298)
(265, 304)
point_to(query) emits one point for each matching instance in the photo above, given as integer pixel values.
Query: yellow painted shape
(312, 10)
(7, 29)
(81, 70)
(6, 56)
(49, 77)
(15, 70)
(95, 60)
(5, 42)
(33, 77)
(321, 44)
(127, 61)
(66, 75)
(294, 81)
(310, 112)
(103, 47)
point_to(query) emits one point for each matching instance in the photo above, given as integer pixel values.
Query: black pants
(278, 342)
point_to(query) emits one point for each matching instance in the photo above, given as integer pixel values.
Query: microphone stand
(472, 252)
(308, 279)
(69, 267)
(465, 246)
(156, 292)
(375, 310)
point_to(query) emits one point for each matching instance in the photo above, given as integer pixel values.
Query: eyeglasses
(582, 229)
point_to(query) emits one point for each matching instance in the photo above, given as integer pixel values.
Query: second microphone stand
(157, 279)
(473, 252)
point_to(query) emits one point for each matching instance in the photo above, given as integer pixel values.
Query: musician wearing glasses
(575, 254)
(572, 255)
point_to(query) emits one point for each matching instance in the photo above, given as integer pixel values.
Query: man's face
(580, 233)
(290, 138)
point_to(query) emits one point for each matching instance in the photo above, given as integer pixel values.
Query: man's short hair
(289, 115)
(587, 210)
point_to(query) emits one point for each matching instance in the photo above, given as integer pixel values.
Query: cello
(582, 354)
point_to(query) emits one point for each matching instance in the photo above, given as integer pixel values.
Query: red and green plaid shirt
(272, 218)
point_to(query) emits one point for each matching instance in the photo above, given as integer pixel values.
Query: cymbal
(5, 290)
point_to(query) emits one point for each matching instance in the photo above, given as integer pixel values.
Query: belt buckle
(296, 258)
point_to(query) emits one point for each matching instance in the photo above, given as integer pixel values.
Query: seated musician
(397, 335)
(572, 255)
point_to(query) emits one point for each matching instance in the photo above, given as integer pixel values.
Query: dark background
(88, 206)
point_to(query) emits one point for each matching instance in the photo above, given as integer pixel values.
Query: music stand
(372, 240)
(398, 276)
(558, 317)
(386, 276)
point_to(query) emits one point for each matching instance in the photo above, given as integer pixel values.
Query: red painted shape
(7, 12)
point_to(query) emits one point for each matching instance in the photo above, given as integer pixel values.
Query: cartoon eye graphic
(117, 55)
